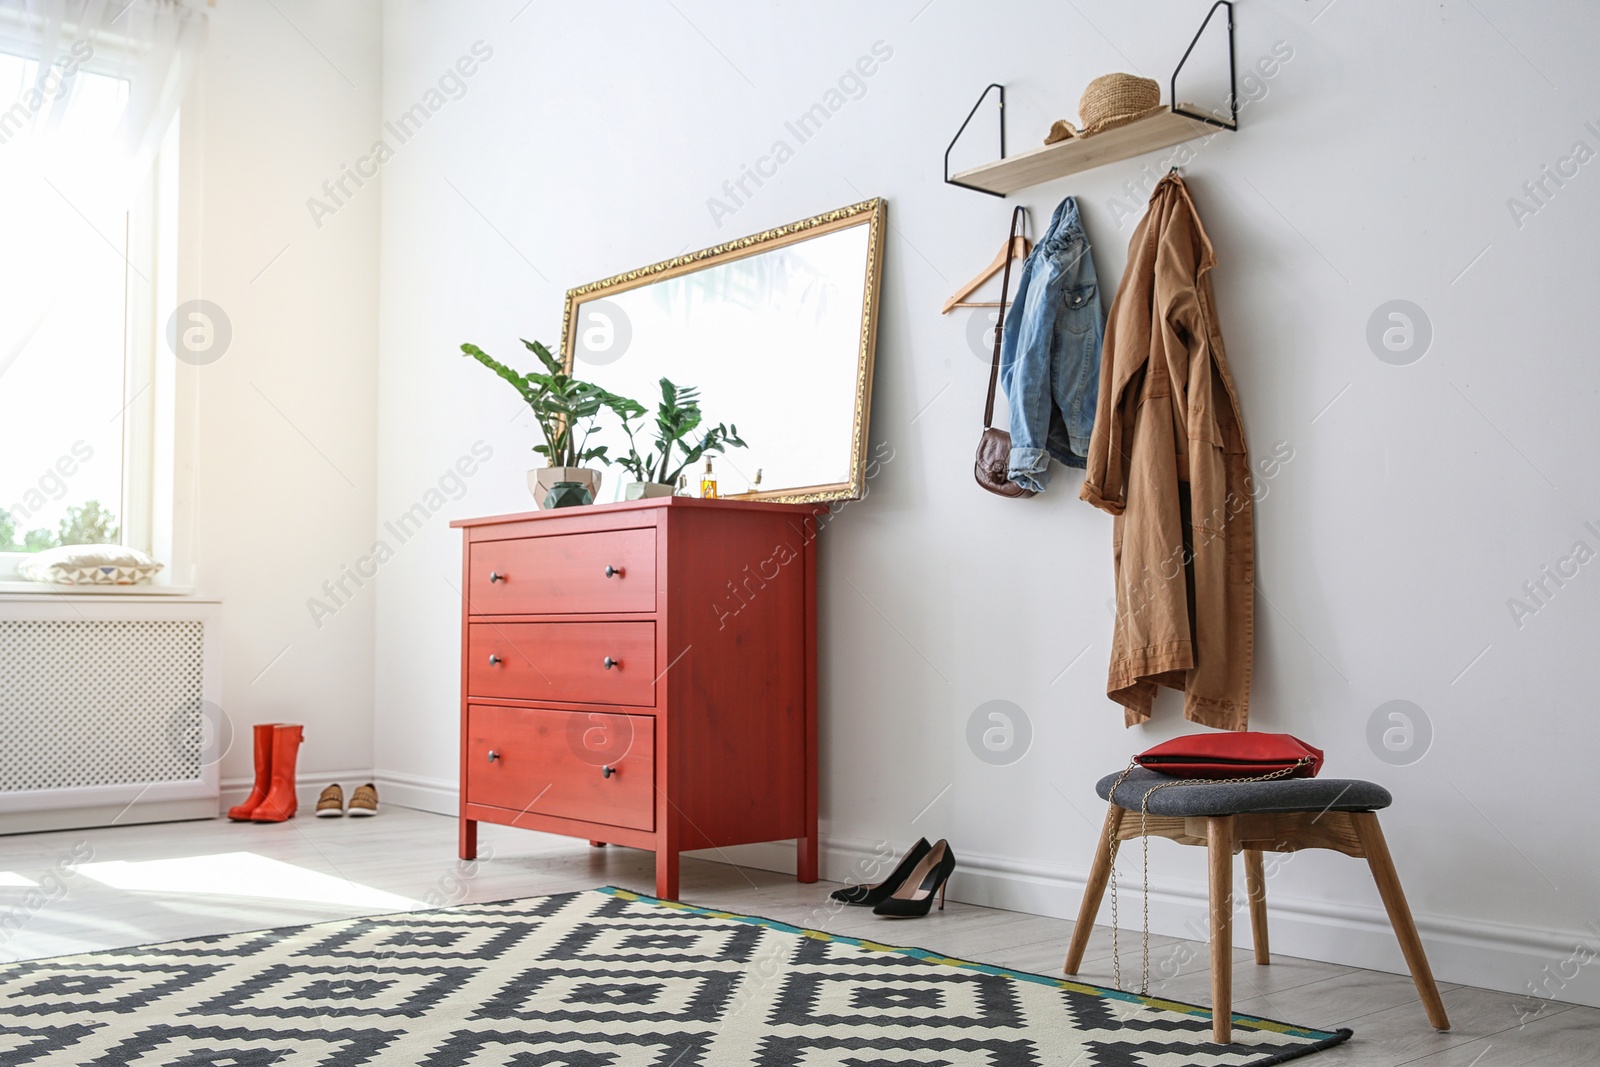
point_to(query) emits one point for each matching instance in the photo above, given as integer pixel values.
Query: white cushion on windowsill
(89, 566)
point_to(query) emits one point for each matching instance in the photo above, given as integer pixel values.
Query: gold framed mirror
(777, 331)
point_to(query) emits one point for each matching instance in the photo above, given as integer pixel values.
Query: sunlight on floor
(10, 879)
(242, 874)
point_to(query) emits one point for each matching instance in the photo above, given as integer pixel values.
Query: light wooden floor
(144, 884)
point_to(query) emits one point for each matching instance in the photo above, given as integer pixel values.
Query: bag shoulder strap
(1018, 215)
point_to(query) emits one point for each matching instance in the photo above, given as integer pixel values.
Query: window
(77, 241)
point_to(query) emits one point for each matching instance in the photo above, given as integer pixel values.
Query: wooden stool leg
(1219, 842)
(1094, 889)
(1255, 881)
(1394, 901)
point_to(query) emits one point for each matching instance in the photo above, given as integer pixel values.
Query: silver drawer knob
(609, 662)
(494, 659)
(496, 576)
(612, 572)
(607, 772)
(493, 755)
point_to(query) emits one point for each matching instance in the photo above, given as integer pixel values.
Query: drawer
(592, 766)
(563, 661)
(583, 573)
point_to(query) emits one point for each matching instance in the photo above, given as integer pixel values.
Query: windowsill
(11, 587)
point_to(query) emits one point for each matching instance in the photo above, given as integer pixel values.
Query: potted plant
(566, 410)
(677, 416)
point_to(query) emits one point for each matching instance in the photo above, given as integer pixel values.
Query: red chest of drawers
(643, 674)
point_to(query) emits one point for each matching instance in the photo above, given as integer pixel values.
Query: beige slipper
(330, 805)
(364, 801)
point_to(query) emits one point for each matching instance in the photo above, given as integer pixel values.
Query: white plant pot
(544, 479)
(646, 490)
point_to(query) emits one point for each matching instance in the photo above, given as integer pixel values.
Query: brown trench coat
(1167, 458)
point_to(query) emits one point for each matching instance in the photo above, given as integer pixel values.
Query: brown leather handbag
(994, 446)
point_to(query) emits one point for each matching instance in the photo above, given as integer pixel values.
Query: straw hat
(1111, 100)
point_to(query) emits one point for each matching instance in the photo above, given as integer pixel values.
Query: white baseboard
(438, 795)
(1511, 959)
(307, 787)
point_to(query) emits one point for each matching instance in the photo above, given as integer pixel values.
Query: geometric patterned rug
(604, 978)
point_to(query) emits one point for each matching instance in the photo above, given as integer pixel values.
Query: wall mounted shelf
(1008, 175)
(1173, 125)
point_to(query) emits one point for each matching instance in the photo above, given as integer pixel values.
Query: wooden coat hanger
(1014, 248)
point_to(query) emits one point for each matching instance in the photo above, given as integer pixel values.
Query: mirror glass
(776, 331)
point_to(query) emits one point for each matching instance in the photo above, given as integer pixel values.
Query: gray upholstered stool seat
(1199, 797)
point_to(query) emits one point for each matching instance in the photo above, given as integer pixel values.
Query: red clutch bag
(1242, 754)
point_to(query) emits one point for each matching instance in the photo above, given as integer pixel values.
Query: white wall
(1376, 165)
(285, 443)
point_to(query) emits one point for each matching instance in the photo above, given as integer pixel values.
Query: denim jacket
(1050, 352)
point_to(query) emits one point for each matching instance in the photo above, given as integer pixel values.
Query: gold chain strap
(1116, 843)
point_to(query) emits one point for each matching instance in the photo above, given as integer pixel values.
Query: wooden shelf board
(1161, 130)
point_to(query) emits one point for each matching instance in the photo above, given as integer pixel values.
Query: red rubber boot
(281, 803)
(263, 736)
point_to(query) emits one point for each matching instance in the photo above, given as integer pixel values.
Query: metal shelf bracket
(1002, 116)
(1233, 82)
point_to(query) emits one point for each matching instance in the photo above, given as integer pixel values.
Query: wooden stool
(1285, 815)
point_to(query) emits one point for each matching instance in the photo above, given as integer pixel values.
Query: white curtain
(88, 92)
(149, 47)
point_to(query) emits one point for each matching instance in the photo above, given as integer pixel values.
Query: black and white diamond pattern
(212, 946)
(343, 991)
(428, 936)
(23, 1045)
(167, 1045)
(826, 1050)
(597, 979)
(685, 996)
(100, 985)
(638, 940)
(929, 998)
(565, 1048)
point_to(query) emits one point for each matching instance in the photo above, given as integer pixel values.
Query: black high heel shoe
(915, 895)
(869, 896)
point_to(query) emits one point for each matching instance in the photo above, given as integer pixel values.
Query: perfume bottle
(708, 484)
(755, 486)
(683, 485)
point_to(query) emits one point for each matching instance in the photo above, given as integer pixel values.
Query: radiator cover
(107, 714)
(100, 703)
